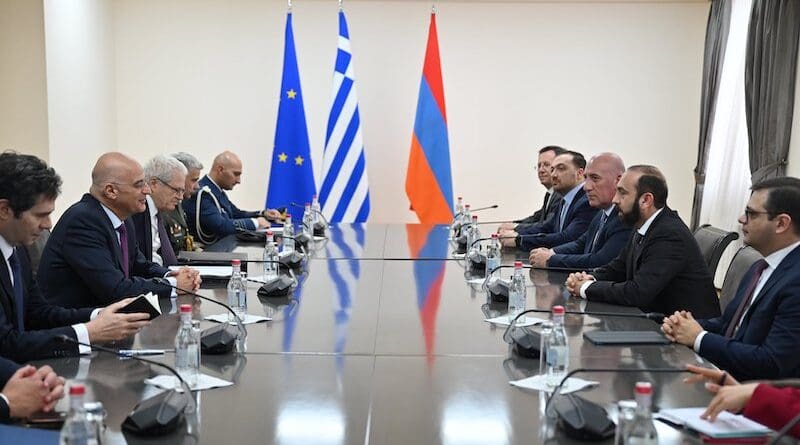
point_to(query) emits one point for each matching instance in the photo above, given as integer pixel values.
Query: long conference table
(383, 342)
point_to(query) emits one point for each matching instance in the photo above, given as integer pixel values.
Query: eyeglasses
(750, 214)
(177, 191)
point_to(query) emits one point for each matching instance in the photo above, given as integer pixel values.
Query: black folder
(626, 338)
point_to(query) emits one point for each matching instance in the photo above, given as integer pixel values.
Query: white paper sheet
(248, 318)
(505, 320)
(204, 381)
(539, 383)
(209, 271)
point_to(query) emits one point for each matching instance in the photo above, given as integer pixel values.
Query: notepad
(726, 426)
(146, 303)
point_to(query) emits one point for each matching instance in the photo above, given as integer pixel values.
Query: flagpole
(290, 5)
(433, 8)
(340, 5)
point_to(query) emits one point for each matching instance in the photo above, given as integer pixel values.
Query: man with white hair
(166, 177)
(175, 220)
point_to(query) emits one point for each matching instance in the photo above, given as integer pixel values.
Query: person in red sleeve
(767, 403)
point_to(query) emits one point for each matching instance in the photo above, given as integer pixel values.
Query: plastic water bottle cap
(644, 388)
(558, 310)
(474, 217)
(236, 262)
(494, 236)
(460, 198)
(466, 206)
(77, 389)
(269, 232)
(517, 264)
(186, 308)
(308, 204)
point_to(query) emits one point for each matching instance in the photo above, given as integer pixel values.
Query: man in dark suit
(211, 215)
(573, 215)
(544, 169)
(29, 326)
(92, 257)
(661, 269)
(607, 234)
(27, 390)
(758, 335)
(166, 177)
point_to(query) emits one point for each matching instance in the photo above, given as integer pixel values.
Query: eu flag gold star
(298, 160)
(282, 157)
(291, 94)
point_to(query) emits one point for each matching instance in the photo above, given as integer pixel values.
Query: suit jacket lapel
(763, 294)
(111, 234)
(8, 294)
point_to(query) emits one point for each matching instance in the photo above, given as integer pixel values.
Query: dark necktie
(545, 205)
(16, 272)
(593, 244)
(123, 246)
(562, 217)
(167, 252)
(747, 299)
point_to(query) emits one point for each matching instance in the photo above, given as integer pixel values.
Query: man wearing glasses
(92, 257)
(166, 177)
(758, 334)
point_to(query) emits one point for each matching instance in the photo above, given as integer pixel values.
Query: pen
(722, 378)
(141, 352)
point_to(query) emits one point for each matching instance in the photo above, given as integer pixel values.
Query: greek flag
(344, 194)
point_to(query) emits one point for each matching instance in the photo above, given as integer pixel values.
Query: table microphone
(527, 343)
(319, 227)
(585, 420)
(494, 206)
(218, 339)
(496, 286)
(160, 414)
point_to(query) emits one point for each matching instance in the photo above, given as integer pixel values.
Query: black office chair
(35, 250)
(740, 264)
(712, 242)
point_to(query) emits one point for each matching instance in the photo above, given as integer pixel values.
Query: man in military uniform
(175, 221)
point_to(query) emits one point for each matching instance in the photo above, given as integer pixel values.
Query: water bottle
(544, 343)
(77, 430)
(626, 414)
(308, 221)
(237, 292)
(288, 234)
(493, 255)
(466, 217)
(558, 350)
(474, 234)
(459, 206)
(187, 348)
(315, 208)
(643, 431)
(270, 257)
(517, 293)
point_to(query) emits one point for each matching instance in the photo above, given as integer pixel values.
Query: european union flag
(291, 178)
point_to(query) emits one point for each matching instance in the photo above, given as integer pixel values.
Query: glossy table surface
(386, 352)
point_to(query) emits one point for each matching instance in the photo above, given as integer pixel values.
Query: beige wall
(616, 76)
(151, 76)
(23, 92)
(793, 169)
(80, 84)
